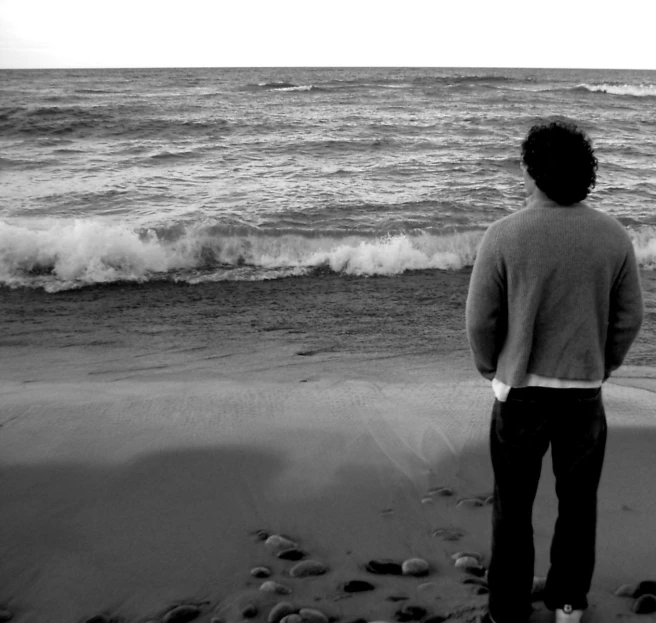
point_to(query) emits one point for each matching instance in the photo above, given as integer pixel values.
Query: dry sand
(128, 486)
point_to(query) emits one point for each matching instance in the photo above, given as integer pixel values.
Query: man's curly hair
(560, 158)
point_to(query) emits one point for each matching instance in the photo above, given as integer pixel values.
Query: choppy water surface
(213, 174)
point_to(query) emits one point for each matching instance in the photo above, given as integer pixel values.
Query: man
(553, 307)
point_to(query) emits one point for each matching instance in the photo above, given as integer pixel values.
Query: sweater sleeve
(626, 313)
(486, 307)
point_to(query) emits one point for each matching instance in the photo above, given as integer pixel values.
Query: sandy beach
(149, 447)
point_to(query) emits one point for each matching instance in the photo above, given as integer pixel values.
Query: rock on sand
(307, 568)
(415, 566)
(311, 615)
(274, 587)
(182, 614)
(279, 543)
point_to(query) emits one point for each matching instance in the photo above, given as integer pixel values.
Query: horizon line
(326, 67)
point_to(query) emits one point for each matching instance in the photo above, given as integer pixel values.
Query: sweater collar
(540, 200)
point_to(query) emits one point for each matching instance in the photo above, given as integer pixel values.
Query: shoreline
(145, 437)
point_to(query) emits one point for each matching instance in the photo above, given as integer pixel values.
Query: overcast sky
(232, 33)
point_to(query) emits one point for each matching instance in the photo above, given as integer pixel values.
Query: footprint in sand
(182, 614)
(384, 567)
(470, 503)
(410, 613)
(448, 534)
(291, 553)
(357, 586)
(443, 492)
(249, 611)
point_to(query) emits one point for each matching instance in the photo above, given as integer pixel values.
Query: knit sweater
(555, 291)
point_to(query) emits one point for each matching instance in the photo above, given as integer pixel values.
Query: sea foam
(636, 90)
(644, 243)
(60, 254)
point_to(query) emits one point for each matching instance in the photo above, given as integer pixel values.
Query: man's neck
(537, 199)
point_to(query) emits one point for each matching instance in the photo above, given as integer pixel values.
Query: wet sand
(147, 433)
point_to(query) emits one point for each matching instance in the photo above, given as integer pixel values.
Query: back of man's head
(560, 158)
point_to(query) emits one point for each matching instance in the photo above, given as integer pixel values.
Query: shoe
(567, 615)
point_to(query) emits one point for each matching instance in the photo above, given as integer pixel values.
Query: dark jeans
(574, 423)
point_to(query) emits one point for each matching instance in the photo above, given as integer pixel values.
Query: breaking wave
(287, 86)
(65, 254)
(636, 90)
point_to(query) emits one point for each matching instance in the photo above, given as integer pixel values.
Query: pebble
(275, 541)
(626, 590)
(445, 492)
(357, 586)
(470, 503)
(306, 568)
(647, 587)
(384, 567)
(311, 615)
(415, 567)
(645, 604)
(279, 611)
(448, 534)
(261, 572)
(291, 618)
(249, 611)
(466, 561)
(275, 587)
(182, 614)
(476, 555)
(410, 613)
(291, 553)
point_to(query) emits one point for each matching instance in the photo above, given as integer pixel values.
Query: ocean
(194, 176)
